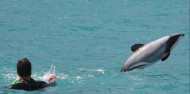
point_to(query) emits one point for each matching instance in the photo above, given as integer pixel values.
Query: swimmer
(26, 82)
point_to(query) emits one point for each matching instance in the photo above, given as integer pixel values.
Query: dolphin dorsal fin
(136, 47)
(165, 56)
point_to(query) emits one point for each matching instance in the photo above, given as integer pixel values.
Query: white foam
(62, 76)
(96, 70)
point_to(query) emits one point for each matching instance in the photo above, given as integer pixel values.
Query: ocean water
(89, 40)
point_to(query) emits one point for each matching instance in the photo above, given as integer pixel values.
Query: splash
(9, 76)
(51, 72)
(62, 76)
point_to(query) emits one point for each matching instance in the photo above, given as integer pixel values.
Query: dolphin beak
(183, 35)
(123, 69)
(178, 35)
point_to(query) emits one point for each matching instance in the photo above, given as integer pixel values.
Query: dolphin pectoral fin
(165, 56)
(136, 47)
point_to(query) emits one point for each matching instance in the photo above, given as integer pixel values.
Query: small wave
(62, 76)
(136, 78)
(80, 78)
(9, 76)
(100, 70)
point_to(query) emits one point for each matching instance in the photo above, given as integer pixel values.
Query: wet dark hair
(24, 67)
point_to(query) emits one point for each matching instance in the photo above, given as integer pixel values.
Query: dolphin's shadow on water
(1, 88)
(155, 75)
(141, 73)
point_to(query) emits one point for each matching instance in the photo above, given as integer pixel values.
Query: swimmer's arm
(45, 84)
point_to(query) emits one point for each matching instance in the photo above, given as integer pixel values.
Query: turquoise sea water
(89, 40)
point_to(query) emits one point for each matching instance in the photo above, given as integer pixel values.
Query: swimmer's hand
(50, 76)
(50, 79)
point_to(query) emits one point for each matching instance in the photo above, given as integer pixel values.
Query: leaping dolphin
(147, 54)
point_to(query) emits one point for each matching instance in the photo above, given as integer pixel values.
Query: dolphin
(147, 54)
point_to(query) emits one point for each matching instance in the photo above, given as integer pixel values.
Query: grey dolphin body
(147, 54)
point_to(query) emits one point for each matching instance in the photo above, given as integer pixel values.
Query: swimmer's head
(24, 67)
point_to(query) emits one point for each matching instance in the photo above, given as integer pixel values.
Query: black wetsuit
(29, 85)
